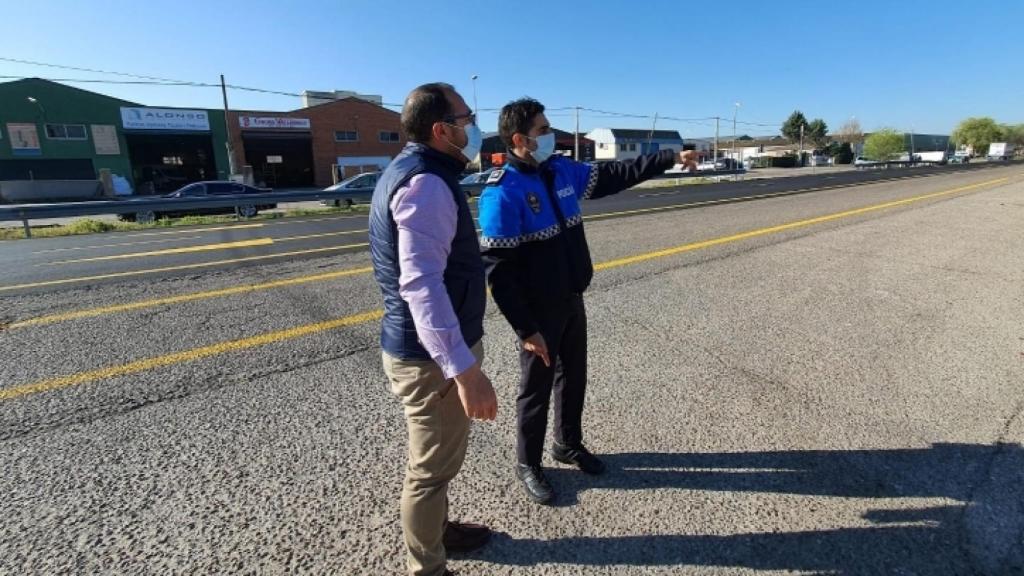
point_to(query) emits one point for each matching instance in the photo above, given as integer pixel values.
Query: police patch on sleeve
(495, 177)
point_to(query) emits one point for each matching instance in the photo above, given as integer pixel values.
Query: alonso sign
(164, 119)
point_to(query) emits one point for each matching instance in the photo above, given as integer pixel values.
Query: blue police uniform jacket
(464, 271)
(535, 249)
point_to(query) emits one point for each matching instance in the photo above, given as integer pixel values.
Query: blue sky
(916, 64)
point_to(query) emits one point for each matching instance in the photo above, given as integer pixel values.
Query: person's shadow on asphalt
(981, 533)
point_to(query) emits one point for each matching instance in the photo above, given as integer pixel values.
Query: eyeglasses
(452, 118)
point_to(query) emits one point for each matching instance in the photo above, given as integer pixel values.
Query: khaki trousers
(438, 436)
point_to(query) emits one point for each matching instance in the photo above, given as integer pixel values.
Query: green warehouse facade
(50, 131)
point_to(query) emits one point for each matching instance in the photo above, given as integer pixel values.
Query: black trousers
(565, 332)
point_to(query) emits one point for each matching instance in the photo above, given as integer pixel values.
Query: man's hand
(536, 345)
(688, 158)
(477, 394)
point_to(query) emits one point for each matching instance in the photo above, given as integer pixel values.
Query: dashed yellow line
(783, 227)
(189, 230)
(186, 356)
(320, 235)
(119, 245)
(176, 268)
(92, 312)
(300, 331)
(169, 251)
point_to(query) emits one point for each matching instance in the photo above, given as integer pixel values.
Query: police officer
(538, 265)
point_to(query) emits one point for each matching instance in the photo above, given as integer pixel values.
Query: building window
(602, 145)
(389, 136)
(346, 136)
(65, 132)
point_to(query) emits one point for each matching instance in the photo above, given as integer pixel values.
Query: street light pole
(480, 157)
(33, 100)
(473, 78)
(800, 152)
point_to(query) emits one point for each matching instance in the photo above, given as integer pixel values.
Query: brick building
(314, 146)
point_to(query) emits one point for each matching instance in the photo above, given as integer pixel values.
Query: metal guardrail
(898, 164)
(700, 174)
(154, 205)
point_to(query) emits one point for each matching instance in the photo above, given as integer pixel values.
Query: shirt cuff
(456, 361)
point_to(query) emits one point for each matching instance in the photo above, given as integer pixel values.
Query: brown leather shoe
(464, 537)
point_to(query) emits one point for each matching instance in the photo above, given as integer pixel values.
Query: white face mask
(474, 141)
(545, 147)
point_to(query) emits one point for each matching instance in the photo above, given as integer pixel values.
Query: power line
(93, 70)
(158, 81)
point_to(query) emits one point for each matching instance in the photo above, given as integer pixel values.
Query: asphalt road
(820, 383)
(48, 264)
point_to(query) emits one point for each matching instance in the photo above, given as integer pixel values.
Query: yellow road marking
(168, 251)
(783, 227)
(186, 356)
(91, 312)
(175, 268)
(278, 336)
(755, 197)
(321, 235)
(95, 246)
(187, 249)
(188, 230)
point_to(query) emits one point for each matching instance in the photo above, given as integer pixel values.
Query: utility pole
(650, 136)
(576, 153)
(800, 152)
(911, 144)
(734, 112)
(735, 160)
(232, 168)
(716, 139)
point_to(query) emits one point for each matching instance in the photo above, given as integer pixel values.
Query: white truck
(1000, 151)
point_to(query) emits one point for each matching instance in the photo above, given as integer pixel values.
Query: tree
(845, 155)
(1014, 134)
(884, 145)
(978, 133)
(791, 127)
(851, 132)
(816, 133)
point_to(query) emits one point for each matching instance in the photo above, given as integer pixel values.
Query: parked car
(862, 161)
(201, 190)
(727, 164)
(360, 188)
(477, 177)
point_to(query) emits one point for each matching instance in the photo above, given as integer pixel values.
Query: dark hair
(425, 106)
(517, 118)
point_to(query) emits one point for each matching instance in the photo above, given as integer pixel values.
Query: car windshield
(356, 181)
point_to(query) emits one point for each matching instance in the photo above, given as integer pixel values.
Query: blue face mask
(474, 141)
(545, 147)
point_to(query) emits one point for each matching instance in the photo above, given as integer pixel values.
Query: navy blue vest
(464, 273)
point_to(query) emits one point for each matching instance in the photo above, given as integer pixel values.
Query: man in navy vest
(538, 268)
(426, 258)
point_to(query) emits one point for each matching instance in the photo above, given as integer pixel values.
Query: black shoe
(578, 456)
(460, 537)
(537, 486)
